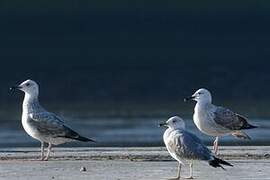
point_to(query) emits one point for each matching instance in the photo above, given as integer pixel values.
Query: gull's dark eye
(199, 93)
(27, 84)
(173, 121)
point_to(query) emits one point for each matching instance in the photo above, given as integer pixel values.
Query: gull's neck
(168, 132)
(203, 104)
(30, 103)
(175, 128)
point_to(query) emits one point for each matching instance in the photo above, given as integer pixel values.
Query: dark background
(136, 58)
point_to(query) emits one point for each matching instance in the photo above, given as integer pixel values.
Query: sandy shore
(127, 163)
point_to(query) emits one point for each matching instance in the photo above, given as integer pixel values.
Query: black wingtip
(80, 138)
(216, 162)
(250, 126)
(84, 139)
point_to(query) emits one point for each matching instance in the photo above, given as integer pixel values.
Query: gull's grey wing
(230, 120)
(189, 146)
(50, 124)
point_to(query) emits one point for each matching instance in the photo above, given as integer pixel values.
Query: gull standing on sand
(216, 120)
(41, 124)
(182, 145)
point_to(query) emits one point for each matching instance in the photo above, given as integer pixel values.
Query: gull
(183, 145)
(42, 125)
(216, 120)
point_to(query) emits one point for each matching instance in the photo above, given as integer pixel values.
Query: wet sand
(128, 163)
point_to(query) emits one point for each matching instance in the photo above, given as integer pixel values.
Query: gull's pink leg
(42, 151)
(48, 152)
(216, 146)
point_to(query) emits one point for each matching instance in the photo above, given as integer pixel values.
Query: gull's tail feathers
(241, 135)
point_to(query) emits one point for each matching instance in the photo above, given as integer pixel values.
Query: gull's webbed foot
(189, 177)
(174, 178)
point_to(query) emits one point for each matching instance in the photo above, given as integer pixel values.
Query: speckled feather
(228, 119)
(50, 124)
(188, 146)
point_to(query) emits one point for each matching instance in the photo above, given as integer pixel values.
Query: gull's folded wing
(187, 145)
(51, 125)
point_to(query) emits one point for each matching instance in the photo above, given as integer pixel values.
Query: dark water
(126, 132)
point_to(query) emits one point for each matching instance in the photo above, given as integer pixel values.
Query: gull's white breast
(203, 118)
(167, 137)
(26, 126)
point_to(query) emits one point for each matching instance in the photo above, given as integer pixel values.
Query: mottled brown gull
(216, 120)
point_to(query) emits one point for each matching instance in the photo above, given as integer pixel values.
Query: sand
(128, 163)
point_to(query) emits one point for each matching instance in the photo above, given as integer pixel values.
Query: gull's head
(174, 122)
(201, 95)
(29, 87)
